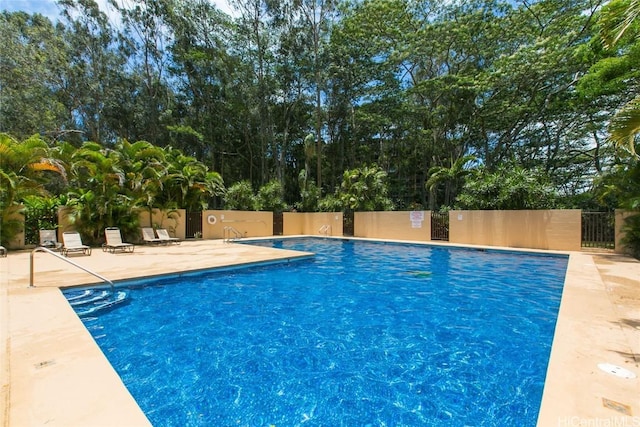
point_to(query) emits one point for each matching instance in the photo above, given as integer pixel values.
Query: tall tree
(619, 19)
(92, 91)
(147, 37)
(318, 16)
(33, 67)
(258, 41)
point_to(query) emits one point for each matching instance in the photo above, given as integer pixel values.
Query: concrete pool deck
(53, 373)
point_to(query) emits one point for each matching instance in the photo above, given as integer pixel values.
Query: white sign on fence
(416, 218)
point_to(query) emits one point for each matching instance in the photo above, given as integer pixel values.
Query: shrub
(240, 197)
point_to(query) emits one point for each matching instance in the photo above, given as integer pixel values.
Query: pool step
(95, 300)
(88, 299)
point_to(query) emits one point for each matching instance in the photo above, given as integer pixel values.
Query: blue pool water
(365, 334)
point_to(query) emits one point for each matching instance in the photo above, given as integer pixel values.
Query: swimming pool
(366, 334)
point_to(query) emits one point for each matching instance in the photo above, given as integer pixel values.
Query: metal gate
(348, 224)
(598, 230)
(194, 225)
(37, 219)
(278, 223)
(440, 225)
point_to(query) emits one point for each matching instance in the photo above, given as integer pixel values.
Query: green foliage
(450, 177)
(32, 63)
(240, 197)
(331, 203)
(10, 226)
(631, 230)
(409, 86)
(509, 188)
(309, 194)
(90, 213)
(41, 213)
(270, 197)
(23, 170)
(102, 186)
(619, 29)
(188, 184)
(620, 187)
(364, 189)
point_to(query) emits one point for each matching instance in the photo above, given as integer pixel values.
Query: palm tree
(145, 170)
(190, 184)
(21, 173)
(101, 198)
(365, 189)
(615, 22)
(625, 126)
(450, 176)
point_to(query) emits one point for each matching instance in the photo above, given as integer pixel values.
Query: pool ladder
(325, 230)
(228, 231)
(49, 251)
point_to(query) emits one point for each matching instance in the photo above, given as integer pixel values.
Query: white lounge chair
(114, 241)
(149, 236)
(72, 242)
(49, 240)
(163, 235)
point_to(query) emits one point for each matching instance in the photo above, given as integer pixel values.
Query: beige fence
(215, 223)
(312, 223)
(619, 234)
(532, 229)
(173, 221)
(404, 225)
(546, 229)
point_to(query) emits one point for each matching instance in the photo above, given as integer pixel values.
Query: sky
(50, 9)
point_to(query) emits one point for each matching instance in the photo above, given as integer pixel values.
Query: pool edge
(565, 400)
(588, 332)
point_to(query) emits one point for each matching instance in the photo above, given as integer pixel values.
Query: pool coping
(50, 363)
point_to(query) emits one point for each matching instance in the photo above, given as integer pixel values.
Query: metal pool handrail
(325, 229)
(49, 251)
(226, 235)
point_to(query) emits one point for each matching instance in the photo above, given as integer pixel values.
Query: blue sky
(50, 9)
(45, 7)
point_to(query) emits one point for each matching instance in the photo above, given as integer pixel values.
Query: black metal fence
(598, 230)
(193, 225)
(348, 224)
(278, 223)
(39, 219)
(440, 226)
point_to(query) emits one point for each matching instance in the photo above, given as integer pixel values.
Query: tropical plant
(190, 184)
(145, 170)
(331, 203)
(509, 187)
(240, 197)
(452, 177)
(309, 193)
(40, 213)
(270, 197)
(617, 19)
(364, 189)
(631, 239)
(620, 187)
(23, 169)
(97, 198)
